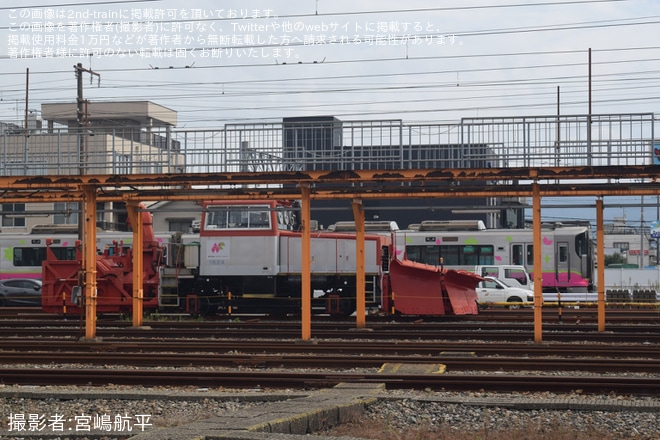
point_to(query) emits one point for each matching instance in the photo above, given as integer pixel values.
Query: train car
(247, 259)
(567, 251)
(22, 254)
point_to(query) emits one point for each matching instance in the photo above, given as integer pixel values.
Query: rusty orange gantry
(355, 185)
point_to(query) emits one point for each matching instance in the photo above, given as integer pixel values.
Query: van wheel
(514, 306)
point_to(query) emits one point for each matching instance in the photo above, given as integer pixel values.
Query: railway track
(551, 314)
(452, 361)
(649, 334)
(358, 348)
(298, 379)
(605, 368)
(259, 353)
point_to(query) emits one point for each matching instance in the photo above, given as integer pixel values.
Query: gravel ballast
(621, 416)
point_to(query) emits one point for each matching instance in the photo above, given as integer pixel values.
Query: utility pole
(83, 118)
(82, 115)
(27, 128)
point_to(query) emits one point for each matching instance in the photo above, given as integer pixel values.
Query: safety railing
(332, 144)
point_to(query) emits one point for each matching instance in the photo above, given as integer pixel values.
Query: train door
(518, 254)
(5, 262)
(562, 263)
(522, 254)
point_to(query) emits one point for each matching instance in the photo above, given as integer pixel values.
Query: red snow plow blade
(421, 289)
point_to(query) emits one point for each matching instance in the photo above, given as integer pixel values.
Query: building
(327, 143)
(109, 138)
(633, 243)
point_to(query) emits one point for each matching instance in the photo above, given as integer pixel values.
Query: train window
(563, 253)
(485, 251)
(582, 244)
(530, 255)
(414, 253)
(470, 255)
(29, 256)
(216, 219)
(35, 256)
(237, 217)
(452, 255)
(424, 254)
(517, 254)
(64, 253)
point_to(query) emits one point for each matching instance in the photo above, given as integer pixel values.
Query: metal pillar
(538, 264)
(89, 259)
(135, 218)
(360, 296)
(306, 277)
(600, 259)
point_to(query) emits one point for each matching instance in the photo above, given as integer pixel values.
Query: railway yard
(253, 377)
(282, 275)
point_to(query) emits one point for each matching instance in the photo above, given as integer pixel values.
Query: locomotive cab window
(237, 217)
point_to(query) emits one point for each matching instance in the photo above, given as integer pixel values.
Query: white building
(109, 138)
(633, 243)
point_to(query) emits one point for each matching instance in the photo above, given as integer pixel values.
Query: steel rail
(334, 361)
(650, 335)
(362, 348)
(570, 321)
(456, 382)
(551, 315)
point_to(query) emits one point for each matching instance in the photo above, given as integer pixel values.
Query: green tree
(614, 259)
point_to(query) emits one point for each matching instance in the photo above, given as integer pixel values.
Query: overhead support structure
(600, 261)
(538, 264)
(325, 185)
(306, 219)
(135, 218)
(360, 296)
(450, 183)
(89, 259)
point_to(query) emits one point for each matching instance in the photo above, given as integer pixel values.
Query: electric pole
(82, 115)
(83, 118)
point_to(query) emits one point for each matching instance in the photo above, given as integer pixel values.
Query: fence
(331, 144)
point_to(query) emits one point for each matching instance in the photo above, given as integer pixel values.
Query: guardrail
(331, 144)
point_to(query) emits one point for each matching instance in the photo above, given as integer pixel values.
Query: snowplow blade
(460, 286)
(421, 289)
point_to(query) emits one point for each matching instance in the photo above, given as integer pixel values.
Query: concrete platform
(279, 420)
(418, 368)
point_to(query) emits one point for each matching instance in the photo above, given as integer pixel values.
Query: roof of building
(109, 114)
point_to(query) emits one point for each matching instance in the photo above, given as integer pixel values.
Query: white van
(514, 276)
(493, 290)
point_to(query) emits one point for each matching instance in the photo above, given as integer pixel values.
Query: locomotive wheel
(346, 308)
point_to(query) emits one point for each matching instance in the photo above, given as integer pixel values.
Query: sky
(223, 62)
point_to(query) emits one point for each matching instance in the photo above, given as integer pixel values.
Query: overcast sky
(218, 62)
